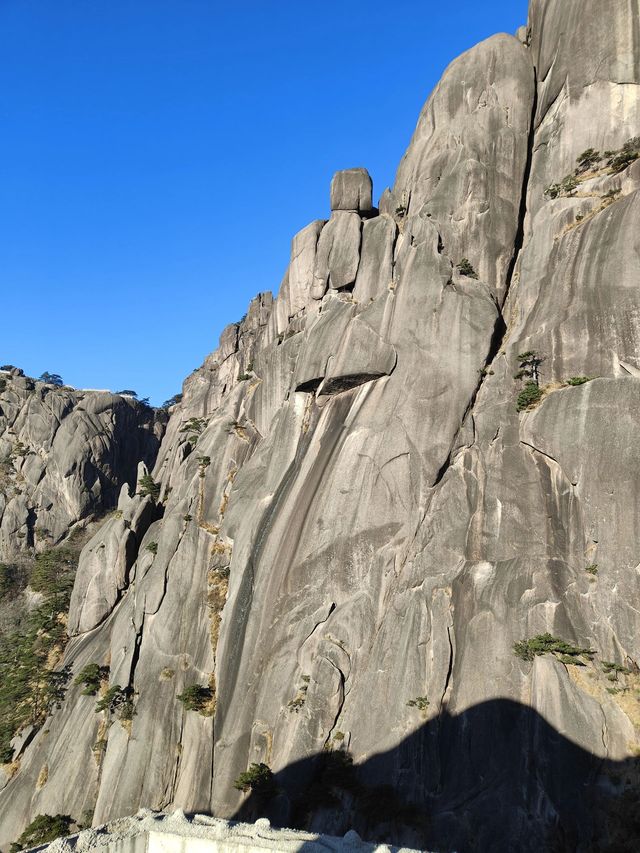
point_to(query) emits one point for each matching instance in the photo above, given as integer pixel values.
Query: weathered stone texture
(64, 456)
(359, 524)
(351, 189)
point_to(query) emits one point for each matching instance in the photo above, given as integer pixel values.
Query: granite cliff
(65, 455)
(394, 518)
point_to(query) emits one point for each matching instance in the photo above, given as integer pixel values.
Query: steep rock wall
(64, 455)
(357, 523)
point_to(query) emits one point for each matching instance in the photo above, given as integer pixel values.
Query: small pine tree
(529, 363)
(569, 184)
(465, 268)
(530, 395)
(147, 487)
(43, 829)
(91, 676)
(258, 778)
(172, 401)
(195, 697)
(52, 379)
(111, 700)
(544, 644)
(588, 159)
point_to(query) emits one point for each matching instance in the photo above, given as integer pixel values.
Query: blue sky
(157, 156)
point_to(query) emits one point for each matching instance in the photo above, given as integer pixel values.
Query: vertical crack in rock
(341, 701)
(449, 668)
(135, 655)
(500, 328)
(332, 607)
(172, 788)
(522, 214)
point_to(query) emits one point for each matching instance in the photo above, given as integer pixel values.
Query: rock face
(351, 189)
(64, 455)
(354, 522)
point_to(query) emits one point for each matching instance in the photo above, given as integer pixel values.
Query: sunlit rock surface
(355, 524)
(64, 456)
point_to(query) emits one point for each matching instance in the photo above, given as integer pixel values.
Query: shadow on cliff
(496, 777)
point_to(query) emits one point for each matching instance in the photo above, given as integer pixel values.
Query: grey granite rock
(65, 455)
(466, 163)
(338, 253)
(351, 189)
(357, 524)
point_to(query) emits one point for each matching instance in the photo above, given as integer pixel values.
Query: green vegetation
(242, 377)
(41, 830)
(592, 569)
(194, 427)
(529, 368)
(52, 379)
(127, 392)
(196, 698)
(570, 661)
(465, 268)
(629, 152)
(593, 161)
(109, 701)
(529, 363)
(614, 668)
(258, 779)
(301, 696)
(92, 675)
(54, 571)
(547, 644)
(12, 580)
(579, 380)
(420, 702)
(30, 686)
(153, 547)
(172, 401)
(529, 397)
(588, 159)
(147, 487)
(566, 187)
(119, 701)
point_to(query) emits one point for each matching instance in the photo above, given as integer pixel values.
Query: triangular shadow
(496, 777)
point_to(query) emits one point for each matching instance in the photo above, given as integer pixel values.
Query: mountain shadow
(496, 777)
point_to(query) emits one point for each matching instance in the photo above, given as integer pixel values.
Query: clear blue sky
(157, 156)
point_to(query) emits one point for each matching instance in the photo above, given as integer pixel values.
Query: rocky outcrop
(355, 521)
(64, 456)
(352, 189)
